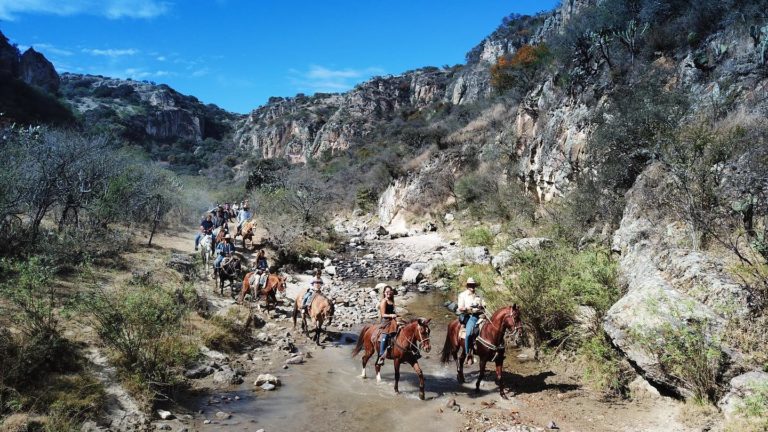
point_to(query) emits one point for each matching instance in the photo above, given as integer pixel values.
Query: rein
(497, 349)
(413, 348)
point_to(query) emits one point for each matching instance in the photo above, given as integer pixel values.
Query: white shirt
(468, 299)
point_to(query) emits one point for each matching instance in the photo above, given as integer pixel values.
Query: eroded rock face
(9, 57)
(668, 286)
(36, 70)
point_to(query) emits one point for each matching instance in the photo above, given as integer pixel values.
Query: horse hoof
(421, 396)
(505, 397)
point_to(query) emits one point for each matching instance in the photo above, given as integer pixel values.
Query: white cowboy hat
(317, 281)
(471, 281)
(228, 237)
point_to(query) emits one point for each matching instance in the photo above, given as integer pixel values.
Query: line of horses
(414, 336)
(411, 338)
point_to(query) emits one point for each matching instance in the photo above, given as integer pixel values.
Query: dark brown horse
(321, 310)
(246, 232)
(412, 338)
(273, 284)
(489, 345)
(229, 271)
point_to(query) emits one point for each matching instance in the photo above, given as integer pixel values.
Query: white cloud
(111, 52)
(326, 80)
(48, 49)
(112, 9)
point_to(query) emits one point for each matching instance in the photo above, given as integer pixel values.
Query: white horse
(206, 251)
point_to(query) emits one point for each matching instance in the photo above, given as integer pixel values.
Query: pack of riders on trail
(465, 335)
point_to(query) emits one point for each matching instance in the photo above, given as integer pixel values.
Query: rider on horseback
(317, 283)
(223, 250)
(206, 228)
(388, 322)
(243, 216)
(471, 307)
(261, 261)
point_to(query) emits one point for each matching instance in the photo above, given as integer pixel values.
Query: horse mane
(500, 312)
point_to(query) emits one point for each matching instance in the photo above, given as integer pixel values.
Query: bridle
(414, 346)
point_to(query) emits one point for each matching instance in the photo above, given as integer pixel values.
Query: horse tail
(360, 341)
(445, 354)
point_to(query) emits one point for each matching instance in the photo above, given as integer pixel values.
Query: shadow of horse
(526, 384)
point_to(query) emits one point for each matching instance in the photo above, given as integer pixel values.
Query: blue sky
(238, 53)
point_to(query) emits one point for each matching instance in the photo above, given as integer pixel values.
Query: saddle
(376, 336)
(481, 322)
(258, 282)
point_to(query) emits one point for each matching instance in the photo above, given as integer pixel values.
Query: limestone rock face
(667, 285)
(36, 70)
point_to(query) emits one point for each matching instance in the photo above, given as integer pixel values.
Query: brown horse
(411, 338)
(229, 271)
(273, 284)
(246, 232)
(320, 310)
(489, 344)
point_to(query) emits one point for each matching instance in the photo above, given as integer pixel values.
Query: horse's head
(512, 320)
(423, 333)
(282, 283)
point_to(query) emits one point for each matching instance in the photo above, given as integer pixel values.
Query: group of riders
(217, 221)
(470, 305)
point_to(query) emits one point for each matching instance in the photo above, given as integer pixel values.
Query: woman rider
(471, 307)
(388, 321)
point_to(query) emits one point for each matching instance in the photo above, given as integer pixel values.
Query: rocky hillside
(170, 126)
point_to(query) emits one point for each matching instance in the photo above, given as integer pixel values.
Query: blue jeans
(471, 322)
(383, 344)
(217, 261)
(307, 296)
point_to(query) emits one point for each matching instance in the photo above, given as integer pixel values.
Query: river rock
(448, 218)
(227, 376)
(164, 415)
(221, 415)
(297, 359)
(198, 372)
(330, 270)
(267, 379)
(164, 427)
(382, 232)
(411, 275)
(268, 387)
(742, 387)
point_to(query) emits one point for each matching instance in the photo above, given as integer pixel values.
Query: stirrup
(380, 360)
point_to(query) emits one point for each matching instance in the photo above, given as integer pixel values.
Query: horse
(410, 339)
(246, 232)
(489, 344)
(229, 271)
(206, 251)
(273, 284)
(320, 309)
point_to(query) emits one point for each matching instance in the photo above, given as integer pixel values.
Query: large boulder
(668, 288)
(502, 259)
(476, 255)
(411, 275)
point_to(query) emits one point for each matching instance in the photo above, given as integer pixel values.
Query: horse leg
(366, 356)
(396, 361)
(420, 374)
(499, 380)
(459, 356)
(480, 375)
(318, 326)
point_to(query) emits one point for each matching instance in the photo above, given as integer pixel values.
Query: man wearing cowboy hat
(223, 250)
(471, 306)
(314, 288)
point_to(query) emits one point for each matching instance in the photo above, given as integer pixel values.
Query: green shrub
(755, 406)
(602, 366)
(145, 326)
(478, 236)
(687, 354)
